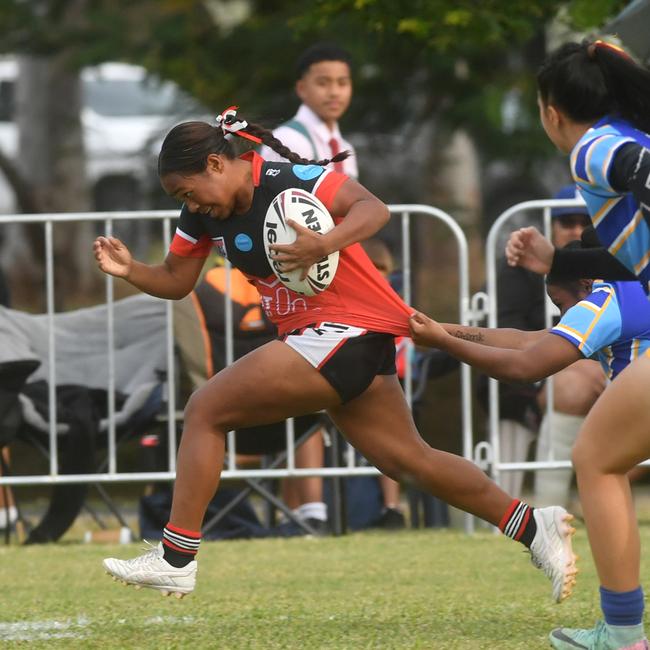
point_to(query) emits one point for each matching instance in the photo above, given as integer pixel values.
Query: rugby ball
(304, 208)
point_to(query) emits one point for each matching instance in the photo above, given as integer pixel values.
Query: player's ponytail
(590, 80)
(231, 123)
(187, 146)
(627, 82)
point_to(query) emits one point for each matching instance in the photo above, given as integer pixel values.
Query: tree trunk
(51, 157)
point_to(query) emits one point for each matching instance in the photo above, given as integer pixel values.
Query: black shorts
(348, 357)
(272, 438)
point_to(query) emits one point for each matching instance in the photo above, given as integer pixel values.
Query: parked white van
(125, 113)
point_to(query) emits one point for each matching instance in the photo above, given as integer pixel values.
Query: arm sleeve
(190, 238)
(630, 172)
(574, 264)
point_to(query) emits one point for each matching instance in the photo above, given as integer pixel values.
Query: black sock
(180, 545)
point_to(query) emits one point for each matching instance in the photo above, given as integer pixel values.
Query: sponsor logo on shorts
(243, 242)
(307, 172)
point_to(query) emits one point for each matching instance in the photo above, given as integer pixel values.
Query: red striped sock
(180, 545)
(518, 522)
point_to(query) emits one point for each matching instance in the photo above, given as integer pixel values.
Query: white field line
(41, 630)
(69, 629)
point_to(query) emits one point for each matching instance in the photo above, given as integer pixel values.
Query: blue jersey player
(594, 102)
(606, 321)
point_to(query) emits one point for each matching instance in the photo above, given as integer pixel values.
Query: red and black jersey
(358, 295)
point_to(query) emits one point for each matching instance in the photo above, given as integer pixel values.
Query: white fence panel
(113, 473)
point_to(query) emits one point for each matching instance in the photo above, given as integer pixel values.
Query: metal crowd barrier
(113, 475)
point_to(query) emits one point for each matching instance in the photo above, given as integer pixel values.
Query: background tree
(425, 69)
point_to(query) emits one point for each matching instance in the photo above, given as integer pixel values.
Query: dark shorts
(348, 357)
(272, 438)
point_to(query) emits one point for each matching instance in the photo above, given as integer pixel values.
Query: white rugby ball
(304, 208)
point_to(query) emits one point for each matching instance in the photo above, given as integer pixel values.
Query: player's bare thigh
(379, 423)
(267, 385)
(616, 433)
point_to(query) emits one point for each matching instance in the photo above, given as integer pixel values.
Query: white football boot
(152, 571)
(551, 549)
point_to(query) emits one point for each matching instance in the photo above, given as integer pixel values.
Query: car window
(130, 98)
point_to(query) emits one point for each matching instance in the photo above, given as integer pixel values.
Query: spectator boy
(324, 86)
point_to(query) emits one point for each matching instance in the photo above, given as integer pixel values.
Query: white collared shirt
(320, 135)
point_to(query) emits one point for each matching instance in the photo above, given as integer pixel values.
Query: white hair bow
(230, 124)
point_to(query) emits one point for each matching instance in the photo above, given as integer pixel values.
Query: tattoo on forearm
(467, 336)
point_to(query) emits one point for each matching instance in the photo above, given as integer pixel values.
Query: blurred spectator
(324, 86)
(575, 389)
(521, 305)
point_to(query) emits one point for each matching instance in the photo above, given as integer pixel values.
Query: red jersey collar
(257, 161)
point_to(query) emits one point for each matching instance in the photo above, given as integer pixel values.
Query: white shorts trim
(317, 344)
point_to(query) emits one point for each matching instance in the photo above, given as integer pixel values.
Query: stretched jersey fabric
(617, 217)
(611, 325)
(358, 295)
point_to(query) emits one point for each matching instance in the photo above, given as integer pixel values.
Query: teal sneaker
(600, 637)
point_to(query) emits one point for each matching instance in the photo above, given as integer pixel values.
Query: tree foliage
(417, 60)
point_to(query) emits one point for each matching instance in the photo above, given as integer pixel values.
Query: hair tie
(230, 124)
(591, 49)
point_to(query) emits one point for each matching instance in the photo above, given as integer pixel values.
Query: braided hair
(186, 147)
(266, 136)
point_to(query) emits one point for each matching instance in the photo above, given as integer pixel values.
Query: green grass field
(412, 589)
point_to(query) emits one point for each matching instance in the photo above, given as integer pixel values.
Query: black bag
(240, 523)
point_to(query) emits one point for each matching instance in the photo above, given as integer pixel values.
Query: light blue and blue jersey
(617, 218)
(611, 325)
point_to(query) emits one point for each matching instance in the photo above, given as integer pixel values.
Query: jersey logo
(220, 244)
(243, 242)
(307, 172)
(272, 172)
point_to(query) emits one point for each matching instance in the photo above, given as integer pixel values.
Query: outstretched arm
(528, 248)
(172, 279)
(548, 355)
(496, 337)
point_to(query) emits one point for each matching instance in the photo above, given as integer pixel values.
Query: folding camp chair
(82, 391)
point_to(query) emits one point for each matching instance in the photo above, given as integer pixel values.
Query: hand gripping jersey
(358, 296)
(618, 218)
(612, 325)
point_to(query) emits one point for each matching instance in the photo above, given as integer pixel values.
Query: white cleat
(152, 571)
(551, 549)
